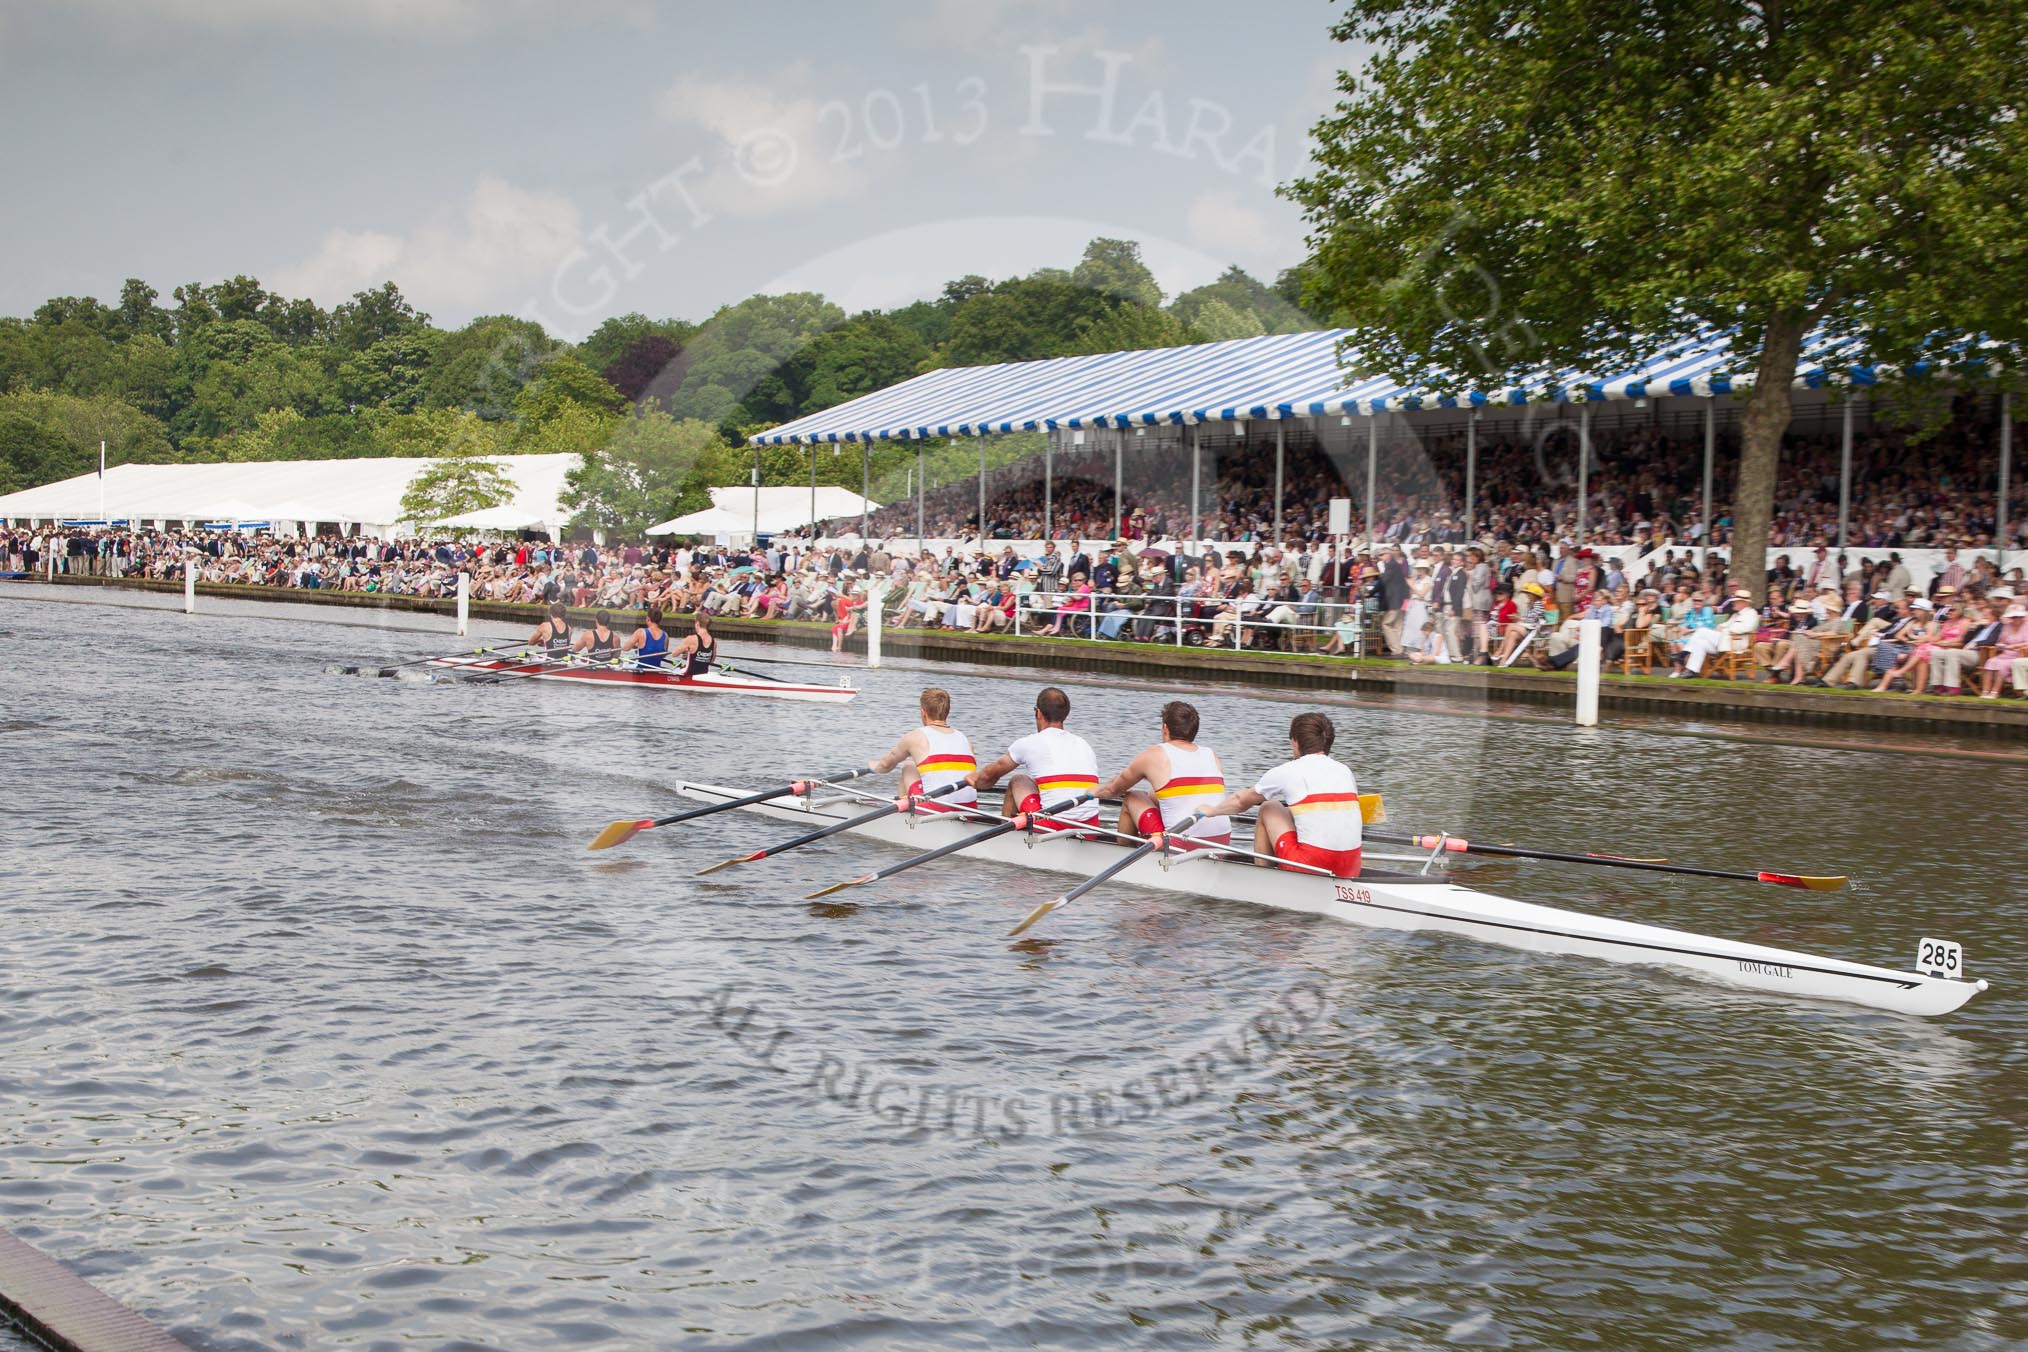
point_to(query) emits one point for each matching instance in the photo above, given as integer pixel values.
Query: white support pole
(189, 587)
(1845, 476)
(1281, 455)
(1196, 482)
(1710, 454)
(1049, 486)
(1588, 664)
(982, 492)
(918, 496)
(1119, 501)
(1372, 482)
(865, 485)
(813, 495)
(1471, 469)
(464, 602)
(2000, 541)
(1583, 466)
(876, 598)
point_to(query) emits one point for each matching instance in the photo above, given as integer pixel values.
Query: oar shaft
(812, 837)
(1458, 845)
(783, 792)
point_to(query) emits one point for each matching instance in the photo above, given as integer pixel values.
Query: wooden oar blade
(840, 887)
(1053, 904)
(618, 834)
(736, 859)
(1371, 809)
(1803, 881)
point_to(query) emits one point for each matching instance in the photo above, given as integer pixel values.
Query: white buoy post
(1588, 664)
(876, 597)
(464, 602)
(189, 588)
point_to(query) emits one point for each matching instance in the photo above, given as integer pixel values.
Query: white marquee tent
(290, 494)
(740, 511)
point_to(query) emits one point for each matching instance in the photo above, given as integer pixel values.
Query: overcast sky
(574, 160)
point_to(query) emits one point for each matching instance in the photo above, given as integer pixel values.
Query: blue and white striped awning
(1288, 375)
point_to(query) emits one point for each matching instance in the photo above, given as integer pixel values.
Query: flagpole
(102, 484)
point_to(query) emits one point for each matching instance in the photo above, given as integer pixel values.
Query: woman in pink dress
(2012, 645)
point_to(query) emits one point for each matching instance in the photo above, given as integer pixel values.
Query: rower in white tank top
(1062, 764)
(947, 761)
(1322, 796)
(1196, 781)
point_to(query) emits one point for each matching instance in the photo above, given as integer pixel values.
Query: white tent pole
(813, 495)
(1048, 486)
(1583, 465)
(865, 484)
(1281, 453)
(2006, 465)
(1196, 476)
(1372, 481)
(1845, 475)
(1471, 469)
(982, 488)
(918, 495)
(1710, 454)
(1119, 502)
(756, 494)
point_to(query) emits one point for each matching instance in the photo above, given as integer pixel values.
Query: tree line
(659, 409)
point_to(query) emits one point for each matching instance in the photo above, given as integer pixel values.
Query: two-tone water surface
(320, 1028)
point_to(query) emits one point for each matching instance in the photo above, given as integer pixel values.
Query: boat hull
(1408, 903)
(710, 683)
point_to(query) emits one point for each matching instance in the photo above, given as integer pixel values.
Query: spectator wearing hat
(1732, 634)
(2010, 657)
(1885, 626)
(1528, 616)
(1776, 653)
(1923, 636)
(1949, 661)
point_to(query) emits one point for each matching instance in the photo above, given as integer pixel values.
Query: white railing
(1178, 616)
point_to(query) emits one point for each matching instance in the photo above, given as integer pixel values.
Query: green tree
(433, 432)
(611, 340)
(1239, 291)
(374, 316)
(390, 372)
(868, 352)
(268, 439)
(1506, 186)
(1127, 327)
(484, 365)
(749, 362)
(1114, 268)
(1217, 321)
(653, 467)
(1020, 320)
(451, 485)
(565, 384)
(55, 436)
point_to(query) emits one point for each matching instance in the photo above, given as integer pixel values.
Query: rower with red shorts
(1049, 765)
(934, 756)
(1309, 807)
(1183, 779)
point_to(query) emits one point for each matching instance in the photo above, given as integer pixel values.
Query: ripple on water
(360, 1048)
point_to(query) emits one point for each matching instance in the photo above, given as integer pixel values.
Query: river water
(322, 1029)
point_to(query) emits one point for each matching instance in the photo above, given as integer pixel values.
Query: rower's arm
(1137, 770)
(1244, 800)
(903, 752)
(992, 774)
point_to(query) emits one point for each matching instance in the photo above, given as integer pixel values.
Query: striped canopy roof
(1289, 375)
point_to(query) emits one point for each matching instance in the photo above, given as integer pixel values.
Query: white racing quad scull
(1414, 902)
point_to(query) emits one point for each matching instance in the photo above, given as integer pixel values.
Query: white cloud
(1221, 223)
(450, 18)
(490, 252)
(774, 154)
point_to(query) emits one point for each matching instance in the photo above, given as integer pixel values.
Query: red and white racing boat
(535, 668)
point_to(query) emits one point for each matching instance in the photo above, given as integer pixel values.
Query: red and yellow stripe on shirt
(950, 763)
(1061, 783)
(1326, 802)
(1192, 786)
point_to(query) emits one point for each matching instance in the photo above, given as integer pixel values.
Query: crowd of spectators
(1512, 594)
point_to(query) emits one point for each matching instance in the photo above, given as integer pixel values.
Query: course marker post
(1588, 664)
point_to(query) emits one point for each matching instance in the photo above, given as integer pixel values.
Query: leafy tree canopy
(1506, 186)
